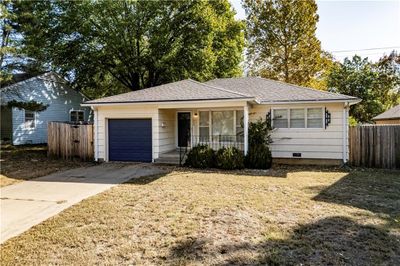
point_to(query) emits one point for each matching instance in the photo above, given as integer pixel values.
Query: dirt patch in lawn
(20, 163)
(284, 217)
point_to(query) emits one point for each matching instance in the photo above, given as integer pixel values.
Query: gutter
(166, 102)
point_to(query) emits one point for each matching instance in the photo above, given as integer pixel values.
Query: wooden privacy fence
(375, 146)
(67, 140)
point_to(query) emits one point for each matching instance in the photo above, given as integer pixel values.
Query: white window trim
(305, 118)
(76, 110)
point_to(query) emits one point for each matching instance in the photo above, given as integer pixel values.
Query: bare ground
(19, 163)
(283, 216)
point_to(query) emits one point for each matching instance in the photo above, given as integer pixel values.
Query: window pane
(314, 118)
(297, 118)
(204, 119)
(73, 117)
(222, 123)
(280, 118)
(80, 116)
(239, 118)
(204, 134)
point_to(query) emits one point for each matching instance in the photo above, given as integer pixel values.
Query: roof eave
(164, 102)
(350, 101)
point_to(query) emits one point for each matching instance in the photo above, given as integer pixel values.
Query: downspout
(345, 130)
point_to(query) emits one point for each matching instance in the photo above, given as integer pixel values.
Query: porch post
(246, 128)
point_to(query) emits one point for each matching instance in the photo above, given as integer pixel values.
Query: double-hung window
(280, 119)
(315, 118)
(29, 119)
(77, 116)
(204, 126)
(298, 118)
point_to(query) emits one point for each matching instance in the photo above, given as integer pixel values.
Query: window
(297, 118)
(204, 125)
(76, 116)
(29, 119)
(280, 118)
(314, 118)
(221, 125)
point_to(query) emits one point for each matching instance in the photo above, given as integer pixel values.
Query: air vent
(296, 154)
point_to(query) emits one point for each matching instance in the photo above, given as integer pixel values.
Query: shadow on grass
(330, 241)
(375, 190)
(281, 171)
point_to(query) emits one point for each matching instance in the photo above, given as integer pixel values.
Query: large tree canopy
(377, 84)
(110, 46)
(282, 41)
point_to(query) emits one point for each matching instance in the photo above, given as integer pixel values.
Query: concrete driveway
(28, 203)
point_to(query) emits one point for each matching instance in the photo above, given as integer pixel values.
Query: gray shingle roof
(184, 90)
(393, 113)
(266, 90)
(16, 91)
(258, 89)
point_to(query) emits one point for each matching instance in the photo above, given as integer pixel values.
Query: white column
(246, 128)
(96, 133)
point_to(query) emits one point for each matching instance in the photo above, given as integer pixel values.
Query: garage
(130, 140)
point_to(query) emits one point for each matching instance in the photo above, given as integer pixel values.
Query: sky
(358, 26)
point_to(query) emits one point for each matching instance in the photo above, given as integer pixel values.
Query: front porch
(181, 129)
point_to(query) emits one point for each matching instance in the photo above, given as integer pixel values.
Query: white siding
(60, 99)
(311, 143)
(167, 117)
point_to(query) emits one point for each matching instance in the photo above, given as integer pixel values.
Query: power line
(367, 49)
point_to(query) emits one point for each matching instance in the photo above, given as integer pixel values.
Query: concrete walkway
(28, 203)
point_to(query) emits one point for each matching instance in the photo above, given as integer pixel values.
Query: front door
(183, 129)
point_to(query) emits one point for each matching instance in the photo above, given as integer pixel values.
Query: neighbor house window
(281, 118)
(29, 119)
(204, 125)
(315, 118)
(298, 118)
(77, 116)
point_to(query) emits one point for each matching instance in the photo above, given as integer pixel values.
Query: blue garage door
(129, 140)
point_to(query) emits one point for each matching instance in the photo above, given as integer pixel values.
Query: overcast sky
(355, 25)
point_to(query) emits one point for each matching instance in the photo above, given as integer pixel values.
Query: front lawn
(287, 216)
(20, 163)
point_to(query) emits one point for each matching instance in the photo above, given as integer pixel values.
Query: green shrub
(201, 156)
(230, 158)
(259, 155)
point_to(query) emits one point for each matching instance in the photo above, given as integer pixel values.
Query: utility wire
(367, 49)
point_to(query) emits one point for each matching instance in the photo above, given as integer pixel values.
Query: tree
(281, 39)
(376, 84)
(112, 46)
(13, 15)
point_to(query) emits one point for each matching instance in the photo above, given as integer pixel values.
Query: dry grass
(288, 216)
(20, 163)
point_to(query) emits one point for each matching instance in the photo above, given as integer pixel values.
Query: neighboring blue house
(20, 126)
